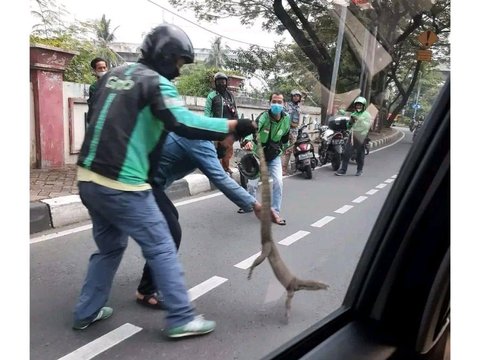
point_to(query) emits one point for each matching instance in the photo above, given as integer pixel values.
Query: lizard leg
(257, 261)
(288, 303)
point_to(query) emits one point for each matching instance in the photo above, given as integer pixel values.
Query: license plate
(304, 156)
(337, 141)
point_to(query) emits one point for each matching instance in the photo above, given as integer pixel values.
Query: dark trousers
(349, 148)
(169, 211)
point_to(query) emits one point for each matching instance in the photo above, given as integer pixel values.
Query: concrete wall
(75, 109)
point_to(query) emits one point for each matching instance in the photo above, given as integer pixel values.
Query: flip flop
(159, 305)
(280, 222)
(241, 211)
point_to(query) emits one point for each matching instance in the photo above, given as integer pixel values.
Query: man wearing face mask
(100, 68)
(220, 103)
(274, 131)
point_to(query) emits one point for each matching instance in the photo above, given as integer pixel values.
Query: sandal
(159, 305)
(241, 211)
(278, 220)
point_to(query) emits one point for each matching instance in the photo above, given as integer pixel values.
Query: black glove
(245, 127)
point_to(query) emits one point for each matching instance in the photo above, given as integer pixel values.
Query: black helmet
(163, 46)
(249, 166)
(220, 75)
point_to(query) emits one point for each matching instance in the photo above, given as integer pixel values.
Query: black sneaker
(340, 172)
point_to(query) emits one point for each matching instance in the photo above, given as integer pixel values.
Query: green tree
(217, 56)
(104, 37)
(313, 25)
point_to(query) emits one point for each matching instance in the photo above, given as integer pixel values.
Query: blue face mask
(276, 108)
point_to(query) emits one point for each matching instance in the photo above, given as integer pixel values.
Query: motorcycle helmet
(362, 101)
(163, 46)
(249, 166)
(295, 92)
(220, 75)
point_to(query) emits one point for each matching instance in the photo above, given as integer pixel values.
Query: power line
(210, 31)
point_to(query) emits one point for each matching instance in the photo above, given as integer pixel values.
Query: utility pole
(417, 97)
(338, 50)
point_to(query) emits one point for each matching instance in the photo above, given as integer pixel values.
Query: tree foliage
(89, 39)
(392, 25)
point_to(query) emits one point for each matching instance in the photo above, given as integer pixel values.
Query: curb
(67, 210)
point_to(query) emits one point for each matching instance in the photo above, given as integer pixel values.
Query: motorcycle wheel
(308, 172)
(336, 159)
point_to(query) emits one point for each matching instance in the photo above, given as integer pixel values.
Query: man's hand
(245, 127)
(248, 146)
(257, 208)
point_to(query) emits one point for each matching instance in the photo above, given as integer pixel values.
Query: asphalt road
(329, 219)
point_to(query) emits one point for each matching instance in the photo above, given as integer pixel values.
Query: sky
(136, 20)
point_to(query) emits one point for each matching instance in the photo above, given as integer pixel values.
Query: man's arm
(204, 156)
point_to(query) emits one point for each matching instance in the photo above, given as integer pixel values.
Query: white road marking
(343, 209)
(381, 186)
(245, 264)
(394, 176)
(205, 287)
(60, 233)
(294, 237)
(371, 192)
(103, 343)
(190, 201)
(359, 199)
(323, 221)
(389, 181)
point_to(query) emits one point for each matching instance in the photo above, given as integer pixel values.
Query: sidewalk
(54, 200)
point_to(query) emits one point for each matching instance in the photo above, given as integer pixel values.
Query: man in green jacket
(274, 130)
(360, 123)
(220, 103)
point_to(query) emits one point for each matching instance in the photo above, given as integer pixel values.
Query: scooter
(332, 141)
(304, 153)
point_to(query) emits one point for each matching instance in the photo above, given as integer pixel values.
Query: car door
(398, 302)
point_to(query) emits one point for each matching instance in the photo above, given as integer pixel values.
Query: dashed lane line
(103, 343)
(204, 287)
(381, 186)
(245, 264)
(359, 199)
(388, 181)
(371, 192)
(323, 221)
(294, 237)
(343, 209)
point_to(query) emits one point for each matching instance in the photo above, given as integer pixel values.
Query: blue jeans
(115, 216)
(275, 171)
(180, 156)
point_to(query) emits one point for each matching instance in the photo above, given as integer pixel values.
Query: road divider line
(323, 221)
(59, 234)
(394, 176)
(381, 186)
(343, 209)
(103, 343)
(205, 287)
(245, 264)
(359, 199)
(294, 237)
(388, 181)
(371, 192)
(190, 201)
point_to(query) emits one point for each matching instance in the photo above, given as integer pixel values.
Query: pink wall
(47, 65)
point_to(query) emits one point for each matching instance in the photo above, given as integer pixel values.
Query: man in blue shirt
(179, 157)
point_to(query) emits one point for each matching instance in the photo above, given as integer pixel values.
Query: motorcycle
(304, 153)
(332, 141)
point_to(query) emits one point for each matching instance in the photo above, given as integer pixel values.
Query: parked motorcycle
(304, 153)
(332, 141)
